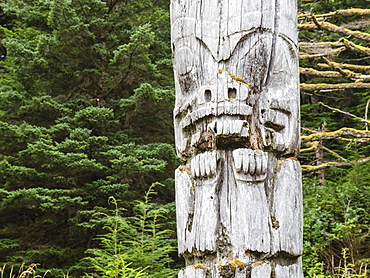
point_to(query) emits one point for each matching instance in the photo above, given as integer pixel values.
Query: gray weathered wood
(238, 196)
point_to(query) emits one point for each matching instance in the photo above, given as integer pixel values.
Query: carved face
(233, 88)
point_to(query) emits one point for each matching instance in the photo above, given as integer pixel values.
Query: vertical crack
(273, 45)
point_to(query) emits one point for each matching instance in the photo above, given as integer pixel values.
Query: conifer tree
(335, 91)
(85, 114)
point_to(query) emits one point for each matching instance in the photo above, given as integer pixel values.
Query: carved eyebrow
(282, 105)
(274, 126)
(280, 109)
(248, 33)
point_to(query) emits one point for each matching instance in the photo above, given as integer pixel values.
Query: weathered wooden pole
(239, 199)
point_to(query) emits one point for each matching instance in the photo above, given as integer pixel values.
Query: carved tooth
(211, 126)
(194, 116)
(212, 109)
(214, 162)
(232, 126)
(208, 162)
(202, 164)
(245, 163)
(225, 127)
(258, 159)
(192, 166)
(238, 160)
(195, 138)
(264, 162)
(227, 107)
(233, 107)
(203, 112)
(220, 127)
(195, 166)
(239, 127)
(220, 108)
(245, 129)
(252, 163)
(186, 121)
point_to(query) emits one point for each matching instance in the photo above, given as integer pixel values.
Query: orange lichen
(293, 158)
(184, 169)
(235, 263)
(199, 266)
(236, 78)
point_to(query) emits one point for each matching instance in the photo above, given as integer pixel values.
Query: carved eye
(207, 95)
(231, 93)
(184, 60)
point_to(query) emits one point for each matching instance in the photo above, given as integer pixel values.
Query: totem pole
(238, 196)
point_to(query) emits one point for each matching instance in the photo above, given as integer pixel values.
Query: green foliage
(335, 200)
(136, 246)
(91, 49)
(86, 114)
(325, 6)
(336, 219)
(30, 272)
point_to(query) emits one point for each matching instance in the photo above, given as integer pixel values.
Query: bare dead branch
(345, 131)
(309, 130)
(364, 69)
(334, 153)
(311, 147)
(346, 113)
(355, 47)
(311, 168)
(345, 72)
(333, 74)
(334, 52)
(348, 12)
(360, 140)
(313, 72)
(366, 110)
(328, 87)
(334, 28)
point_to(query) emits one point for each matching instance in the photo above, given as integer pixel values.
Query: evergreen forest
(87, 153)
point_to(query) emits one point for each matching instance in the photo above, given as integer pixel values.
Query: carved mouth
(216, 109)
(249, 165)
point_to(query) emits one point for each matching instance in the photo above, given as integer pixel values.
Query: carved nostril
(207, 95)
(231, 93)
